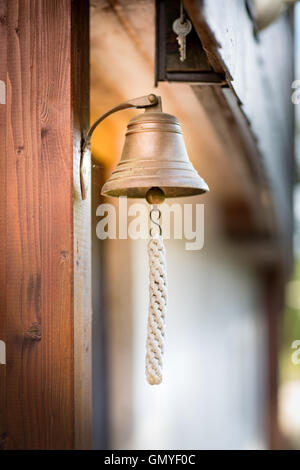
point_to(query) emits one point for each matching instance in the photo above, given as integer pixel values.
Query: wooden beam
(82, 230)
(259, 75)
(3, 55)
(41, 289)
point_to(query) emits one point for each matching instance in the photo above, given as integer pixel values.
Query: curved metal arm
(142, 102)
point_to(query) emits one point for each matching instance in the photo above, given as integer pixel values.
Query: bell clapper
(157, 293)
(155, 196)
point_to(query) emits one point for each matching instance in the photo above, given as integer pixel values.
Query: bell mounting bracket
(148, 101)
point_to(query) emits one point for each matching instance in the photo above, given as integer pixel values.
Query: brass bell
(154, 155)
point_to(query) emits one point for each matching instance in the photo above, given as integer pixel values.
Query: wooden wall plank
(82, 231)
(39, 226)
(3, 51)
(37, 266)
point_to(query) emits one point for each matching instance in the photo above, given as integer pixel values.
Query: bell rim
(189, 186)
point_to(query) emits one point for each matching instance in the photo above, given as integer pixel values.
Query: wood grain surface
(36, 231)
(3, 50)
(82, 230)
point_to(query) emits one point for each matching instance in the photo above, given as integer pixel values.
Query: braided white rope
(157, 309)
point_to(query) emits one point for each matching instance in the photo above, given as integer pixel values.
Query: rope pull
(157, 303)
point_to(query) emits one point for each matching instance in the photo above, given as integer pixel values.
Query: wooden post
(3, 52)
(44, 234)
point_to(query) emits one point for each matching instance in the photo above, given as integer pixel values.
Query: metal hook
(155, 222)
(149, 101)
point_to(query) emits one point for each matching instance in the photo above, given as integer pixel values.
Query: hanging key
(182, 28)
